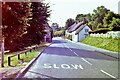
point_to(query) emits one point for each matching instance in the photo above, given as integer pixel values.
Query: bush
(69, 37)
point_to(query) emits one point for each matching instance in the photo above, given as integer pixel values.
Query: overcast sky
(64, 9)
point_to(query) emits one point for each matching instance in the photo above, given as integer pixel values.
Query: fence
(110, 34)
(22, 52)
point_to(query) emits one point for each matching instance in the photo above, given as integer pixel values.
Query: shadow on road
(57, 42)
(82, 53)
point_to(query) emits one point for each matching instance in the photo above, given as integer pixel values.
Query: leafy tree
(79, 17)
(69, 22)
(100, 19)
(107, 19)
(36, 32)
(99, 26)
(15, 17)
(24, 23)
(115, 24)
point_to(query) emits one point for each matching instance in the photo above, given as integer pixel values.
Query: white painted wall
(110, 34)
(81, 35)
(74, 37)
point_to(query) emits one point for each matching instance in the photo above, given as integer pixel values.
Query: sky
(65, 9)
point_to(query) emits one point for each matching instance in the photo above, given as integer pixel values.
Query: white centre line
(86, 61)
(70, 49)
(75, 53)
(108, 74)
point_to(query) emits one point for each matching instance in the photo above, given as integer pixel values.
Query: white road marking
(70, 49)
(65, 45)
(76, 54)
(62, 66)
(86, 61)
(77, 66)
(108, 74)
(65, 66)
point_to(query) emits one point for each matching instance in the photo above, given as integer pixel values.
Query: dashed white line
(70, 49)
(65, 45)
(86, 61)
(108, 74)
(75, 53)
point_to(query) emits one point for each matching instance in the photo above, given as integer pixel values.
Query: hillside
(105, 43)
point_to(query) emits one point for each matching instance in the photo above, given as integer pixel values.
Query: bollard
(26, 53)
(30, 50)
(9, 61)
(18, 56)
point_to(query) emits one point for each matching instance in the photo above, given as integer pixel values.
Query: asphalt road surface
(64, 59)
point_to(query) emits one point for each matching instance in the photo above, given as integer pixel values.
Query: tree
(24, 23)
(107, 19)
(101, 18)
(115, 24)
(69, 22)
(35, 33)
(79, 17)
(15, 17)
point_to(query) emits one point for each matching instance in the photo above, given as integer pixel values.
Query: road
(64, 59)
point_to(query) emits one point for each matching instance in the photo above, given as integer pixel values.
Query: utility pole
(1, 38)
(2, 53)
(2, 47)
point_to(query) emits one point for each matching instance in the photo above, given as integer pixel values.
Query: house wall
(47, 37)
(82, 34)
(74, 37)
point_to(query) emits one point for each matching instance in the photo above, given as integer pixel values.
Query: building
(78, 31)
(49, 33)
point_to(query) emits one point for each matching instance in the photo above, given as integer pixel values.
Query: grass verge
(105, 43)
(17, 65)
(24, 59)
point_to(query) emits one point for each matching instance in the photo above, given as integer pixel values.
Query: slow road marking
(62, 66)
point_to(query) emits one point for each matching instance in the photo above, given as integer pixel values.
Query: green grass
(23, 57)
(58, 32)
(105, 43)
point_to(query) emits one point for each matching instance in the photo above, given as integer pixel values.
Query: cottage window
(86, 30)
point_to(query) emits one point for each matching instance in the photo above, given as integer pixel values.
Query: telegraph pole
(1, 38)
(2, 53)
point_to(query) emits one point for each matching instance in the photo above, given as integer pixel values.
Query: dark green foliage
(15, 22)
(23, 23)
(100, 30)
(36, 31)
(80, 17)
(101, 18)
(69, 22)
